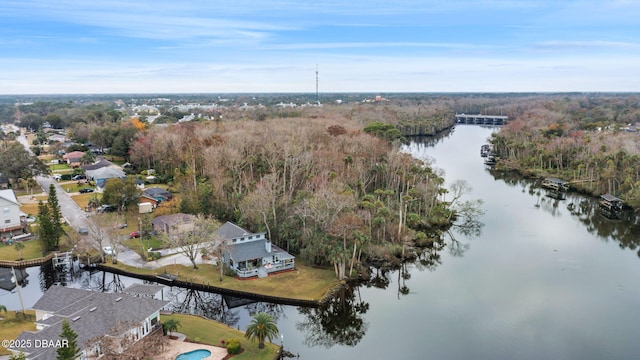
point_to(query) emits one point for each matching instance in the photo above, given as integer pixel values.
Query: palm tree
(262, 327)
(170, 326)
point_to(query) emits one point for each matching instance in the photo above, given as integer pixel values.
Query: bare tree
(123, 342)
(103, 228)
(192, 242)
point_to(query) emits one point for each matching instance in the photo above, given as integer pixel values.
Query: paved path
(170, 257)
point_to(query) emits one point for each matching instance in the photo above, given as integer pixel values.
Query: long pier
(479, 119)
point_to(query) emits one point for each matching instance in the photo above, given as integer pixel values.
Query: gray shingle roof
(172, 219)
(248, 251)
(90, 314)
(230, 231)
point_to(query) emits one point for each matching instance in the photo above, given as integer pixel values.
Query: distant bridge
(480, 119)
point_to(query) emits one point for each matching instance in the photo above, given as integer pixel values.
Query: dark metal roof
(555, 180)
(611, 198)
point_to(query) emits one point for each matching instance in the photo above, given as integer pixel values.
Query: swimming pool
(194, 355)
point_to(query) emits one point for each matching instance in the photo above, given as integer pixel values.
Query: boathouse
(610, 202)
(555, 184)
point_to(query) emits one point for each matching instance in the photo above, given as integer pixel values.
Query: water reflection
(341, 322)
(623, 227)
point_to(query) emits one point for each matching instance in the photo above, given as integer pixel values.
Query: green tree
(120, 193)
(55, 215)
(88, 158)
(170, 326)
(17, 163)
(262, 327)
(71, 350)
(45, 228)
(19, 246)
(3, 308)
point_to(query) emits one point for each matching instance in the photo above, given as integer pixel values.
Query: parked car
(108, 250)
(82, 230)
(57, 177)
(106, 208)
(134, 234)
(78, 177)
(86, 190)
(122, 226)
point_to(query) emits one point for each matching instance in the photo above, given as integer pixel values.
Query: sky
(256, 46)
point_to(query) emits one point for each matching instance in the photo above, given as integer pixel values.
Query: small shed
(145, 207)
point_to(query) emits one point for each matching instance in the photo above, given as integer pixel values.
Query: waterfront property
(252, 254)
(480, 119)
(92, 316)
(610, 202)
(555, 184)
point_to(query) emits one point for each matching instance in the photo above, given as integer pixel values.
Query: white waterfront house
(252, 254)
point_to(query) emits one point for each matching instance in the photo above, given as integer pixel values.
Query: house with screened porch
(252, 254)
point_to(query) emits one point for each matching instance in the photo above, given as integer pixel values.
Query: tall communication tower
(317, 95)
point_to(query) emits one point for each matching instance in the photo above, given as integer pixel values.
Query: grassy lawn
(82, 199)
(59, 167)
(136, 244)
(31, 208)
(10, 327)
(304, 283)
(32, 249)
(211, 332)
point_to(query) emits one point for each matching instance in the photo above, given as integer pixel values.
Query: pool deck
(179, 346)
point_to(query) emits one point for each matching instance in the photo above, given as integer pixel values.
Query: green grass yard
(303, 283)
(210, 332)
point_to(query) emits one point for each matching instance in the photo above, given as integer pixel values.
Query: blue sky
(67, 46)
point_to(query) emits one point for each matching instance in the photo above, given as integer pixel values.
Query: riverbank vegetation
(590, 141)
(318, 185)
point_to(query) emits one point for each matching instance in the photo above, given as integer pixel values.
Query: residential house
(57, 137)
(156, 195)
(92, 316)
(101, 175)
(74, 158)
(174, 224)
(10, 222)
(252, 254)
(99, 164)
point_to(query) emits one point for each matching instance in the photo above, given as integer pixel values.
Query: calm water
(539, 282)
(543, 279)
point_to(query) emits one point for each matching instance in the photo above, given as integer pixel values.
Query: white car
(57, 177)
(108, 250)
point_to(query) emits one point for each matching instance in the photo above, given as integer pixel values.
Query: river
(540, 279)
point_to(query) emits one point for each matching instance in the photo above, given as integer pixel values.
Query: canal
(538, 278)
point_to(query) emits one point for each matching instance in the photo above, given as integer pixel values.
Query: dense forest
(317, 184)
(590, 141)
(329, 183)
